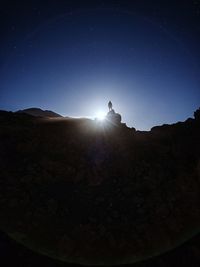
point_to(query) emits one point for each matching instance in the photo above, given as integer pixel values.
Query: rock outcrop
(197, 114)
(113, 117)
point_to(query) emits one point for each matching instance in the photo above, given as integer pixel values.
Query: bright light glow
(101, 115)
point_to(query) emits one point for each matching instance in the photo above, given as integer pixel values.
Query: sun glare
(100, 115)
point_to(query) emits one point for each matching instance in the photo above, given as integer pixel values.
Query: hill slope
(94, 193)
(37, 112)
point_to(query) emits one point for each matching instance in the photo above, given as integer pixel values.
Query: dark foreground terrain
(15, 254)
(93, 193)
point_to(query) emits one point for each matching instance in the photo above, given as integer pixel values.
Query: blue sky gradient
(76, 60)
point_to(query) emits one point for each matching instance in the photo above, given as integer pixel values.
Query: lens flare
(100, 115)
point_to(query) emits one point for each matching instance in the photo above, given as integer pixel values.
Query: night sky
(72, 57)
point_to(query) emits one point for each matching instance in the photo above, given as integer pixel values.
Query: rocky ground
(94, 193)
(14, 254)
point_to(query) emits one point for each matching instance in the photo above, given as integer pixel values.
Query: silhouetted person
(110, 105)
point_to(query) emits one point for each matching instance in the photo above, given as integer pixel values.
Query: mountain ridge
(38, 112)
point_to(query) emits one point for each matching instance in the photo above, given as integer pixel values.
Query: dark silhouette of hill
(37, 112)
(98, 193)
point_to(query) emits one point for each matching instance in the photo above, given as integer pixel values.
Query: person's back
(110, 105)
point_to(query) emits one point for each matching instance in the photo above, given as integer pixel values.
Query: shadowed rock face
(98, 194)
(197, 114)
